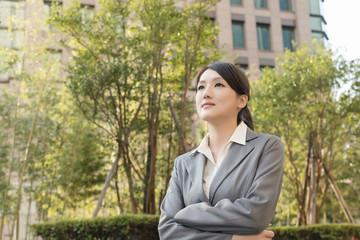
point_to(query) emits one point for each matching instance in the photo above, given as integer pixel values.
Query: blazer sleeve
(173, 203)
(250, 214)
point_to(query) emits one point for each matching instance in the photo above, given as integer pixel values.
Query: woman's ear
(242, 101)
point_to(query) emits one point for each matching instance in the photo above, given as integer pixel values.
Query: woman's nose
(208, 92)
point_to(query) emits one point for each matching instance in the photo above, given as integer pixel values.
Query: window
(315, 7)
(288, 37)
(235, 2)
(9, 69)
(11, 39)
(285, 5)
(53, 62)
(9, 9)
(243, 67)
(46, 13)
(261, 3)
(238, 34)
(319, 36)
(263, 67)
(263, 37)
(317, 23)
(87, 11)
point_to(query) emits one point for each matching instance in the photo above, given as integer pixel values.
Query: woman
(228, 187)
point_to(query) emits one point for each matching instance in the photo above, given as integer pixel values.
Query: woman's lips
(207, 105)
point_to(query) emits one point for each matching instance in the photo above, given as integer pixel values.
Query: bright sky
(343, 30)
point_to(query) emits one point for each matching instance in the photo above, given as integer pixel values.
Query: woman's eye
(219, 85)
(200, 87)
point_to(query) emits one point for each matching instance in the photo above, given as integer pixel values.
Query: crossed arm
(172, 204)
(249, 215)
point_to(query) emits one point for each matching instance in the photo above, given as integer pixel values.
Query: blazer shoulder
(269, 140)
(269, 137)
(181, 158)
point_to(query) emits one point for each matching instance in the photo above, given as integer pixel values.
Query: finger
(269, 234)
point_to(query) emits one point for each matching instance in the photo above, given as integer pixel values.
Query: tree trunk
(127, 167)
(107, 182)
(28, 212)
(301, 207)
(339, 196)
(313, 188)
(149, 196)
(24, 168)
(117, 191)
(153, 126)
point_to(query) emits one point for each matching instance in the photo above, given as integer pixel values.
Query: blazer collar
(250, 135)
(195, 164)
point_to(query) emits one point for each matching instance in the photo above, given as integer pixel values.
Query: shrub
(144, 227)
(318, 232)
(121, 227)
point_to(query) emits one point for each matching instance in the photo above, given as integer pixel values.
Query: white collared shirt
(238, 136)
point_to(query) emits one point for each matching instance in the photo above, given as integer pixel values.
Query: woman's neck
(220, 135)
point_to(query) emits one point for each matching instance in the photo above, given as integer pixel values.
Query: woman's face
(216, 101)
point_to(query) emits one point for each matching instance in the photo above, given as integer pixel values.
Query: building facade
(254, 32)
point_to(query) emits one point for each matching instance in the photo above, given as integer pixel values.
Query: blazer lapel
(195, 164)
(236, 154)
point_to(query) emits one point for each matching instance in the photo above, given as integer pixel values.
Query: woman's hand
(264, 235)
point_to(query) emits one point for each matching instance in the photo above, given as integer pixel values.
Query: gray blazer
(242, 196)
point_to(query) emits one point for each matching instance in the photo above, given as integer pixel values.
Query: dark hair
(238, 81)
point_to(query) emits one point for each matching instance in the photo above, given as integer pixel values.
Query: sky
(343, 30)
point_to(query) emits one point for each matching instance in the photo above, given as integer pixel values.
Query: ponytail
(245, 116)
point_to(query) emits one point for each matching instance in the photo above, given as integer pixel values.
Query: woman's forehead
(210, 75)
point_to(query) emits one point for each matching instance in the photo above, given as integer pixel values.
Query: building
(253, 32)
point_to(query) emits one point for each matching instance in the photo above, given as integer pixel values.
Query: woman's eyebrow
(213, 79)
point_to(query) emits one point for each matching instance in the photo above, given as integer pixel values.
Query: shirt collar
(238, 136)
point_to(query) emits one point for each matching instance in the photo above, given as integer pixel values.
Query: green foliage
(145, 227)
(318, 232)
(119, 227)
(303, 100)
(129, 58)
(71, 169)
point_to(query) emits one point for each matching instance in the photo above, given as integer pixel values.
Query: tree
(301, 101)
(175, 47)
(35, 146)
(125, 59)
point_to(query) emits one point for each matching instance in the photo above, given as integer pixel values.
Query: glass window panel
(261, 3)
(288, 37)
(238, 35)
(5, 38)
(263, 67)
(54, 61)
(12, 13)
(14, 39)
(314, 6)
(316, 23)
(235, 2)
(243, 67)
(46, 13)
(87, 11)
(320, 37)
(10, 71)
(285, 5)
(55, 56)
(263, 36)
(4, 77)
